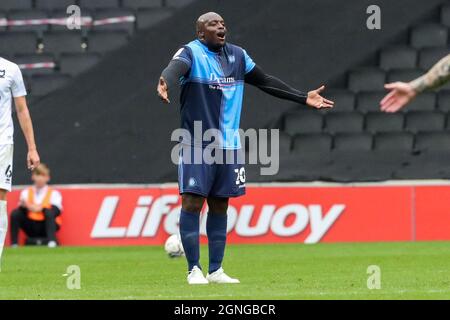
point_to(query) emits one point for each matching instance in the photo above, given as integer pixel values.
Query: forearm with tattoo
(435, 77)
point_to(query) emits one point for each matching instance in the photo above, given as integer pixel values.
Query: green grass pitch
(414, 270)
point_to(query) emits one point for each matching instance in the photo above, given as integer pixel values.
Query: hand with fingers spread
(163, 91)
(401, 93)
(315, 100)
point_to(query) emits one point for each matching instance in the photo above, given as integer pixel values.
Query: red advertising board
(266, 214)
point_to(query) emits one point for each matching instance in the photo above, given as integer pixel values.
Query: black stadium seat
(369, 101)
(104, 41)
(54, 4)
(344, 100)
(404, 75)
(426, 101)
(149, 17)
(27, 15)
(428, 57)
(429, 35)
(398, 58)
(76, 63)
(140, 4)
(6, 5)
(366, 80)
(432, 141)
(445, 15)
(98, 4)
(35, 58)
(384, 122)
(394, 142)
(443, 100)
(312, 143)
(127, 26)
(178, 3)
(353, 142)
(57, 42)
(303, 121)
(2, 17)
(344, 122)
(424, 121)
(18, 42)
(44, 84)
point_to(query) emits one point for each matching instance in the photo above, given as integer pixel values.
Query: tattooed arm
(437, 76)
(401, 93)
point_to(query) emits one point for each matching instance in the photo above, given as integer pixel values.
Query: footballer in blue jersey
(212, 74)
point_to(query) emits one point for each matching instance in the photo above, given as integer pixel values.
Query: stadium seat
(432, 141)
(384, 122)
(26, 15)
(443, 100)
(149, 17)
(98, 4)
(428, 57)
(178, 3)
(6, 5)
(18, 42)
(369, 101)
(32, 59)
(429, 35)
(366, 80)
(284, 143)
(424, 121)
(404, 75)
(398, 58)
(104, 41)
(426, 101)
(57, 42)
(343, 100)
(141, 4)
(399, 142)
(127, 26)
(54, 4)
(353, 142)
(43, 84)
(303, 121)
(344, 122)
(312, 143)
(76, 63)
(445, 15)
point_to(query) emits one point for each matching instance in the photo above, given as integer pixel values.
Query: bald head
(211, 30)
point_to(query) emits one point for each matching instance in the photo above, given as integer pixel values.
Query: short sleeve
(18, 86)
(183, 54)
(249, 64)
(56, 199)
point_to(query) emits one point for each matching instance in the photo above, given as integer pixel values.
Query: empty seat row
(429, 35)
(309, 121)
(399, 142)
(67, 63)
(87, 4)
(58, 42)
(41, 85)
(401, 57)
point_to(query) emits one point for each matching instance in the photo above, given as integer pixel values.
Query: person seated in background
(38, 214)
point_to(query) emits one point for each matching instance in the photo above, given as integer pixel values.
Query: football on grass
(173, 246)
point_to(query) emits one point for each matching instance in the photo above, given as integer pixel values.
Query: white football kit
(11, 86)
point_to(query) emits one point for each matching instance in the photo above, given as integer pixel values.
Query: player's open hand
(400, 95)
(163, 92)
(315, 100)
(33, 159)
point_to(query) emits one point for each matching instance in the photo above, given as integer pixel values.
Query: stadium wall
(106, 215)
(102, 127)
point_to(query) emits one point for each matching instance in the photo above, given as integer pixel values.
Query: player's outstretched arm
(401, 93)
(169, 78)
(279, 89)
(23, 115)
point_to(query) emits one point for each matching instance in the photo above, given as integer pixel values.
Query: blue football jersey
(212, 91)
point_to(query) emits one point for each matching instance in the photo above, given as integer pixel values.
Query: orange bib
(46, 204)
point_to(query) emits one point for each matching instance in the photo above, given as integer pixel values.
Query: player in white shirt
(12, 87)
